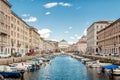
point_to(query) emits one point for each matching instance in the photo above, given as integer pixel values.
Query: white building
(63, 45)
(92, 35)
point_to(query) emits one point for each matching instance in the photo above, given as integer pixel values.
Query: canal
(65, 68)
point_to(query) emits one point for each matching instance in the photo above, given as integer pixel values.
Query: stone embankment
(5, 61)
(107, 59)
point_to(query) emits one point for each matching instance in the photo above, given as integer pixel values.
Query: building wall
(63, 45)
(92, 35)
(4, 26)
(109, 38)
(41, 44)
(34, 39)
(19, 35)
(81, 45)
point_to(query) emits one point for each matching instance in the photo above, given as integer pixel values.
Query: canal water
(65, 68)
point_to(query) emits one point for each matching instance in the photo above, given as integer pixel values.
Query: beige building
(92, 35)
(41, 45)
(81, 45)
(19, 35)
(109, 39)
(4, 26)
(34, 39)
(50, 46)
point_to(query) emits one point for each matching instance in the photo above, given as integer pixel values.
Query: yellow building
(19, 35)
(34, 39)
(4, 26)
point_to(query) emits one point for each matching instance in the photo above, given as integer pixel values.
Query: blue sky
(65, 19)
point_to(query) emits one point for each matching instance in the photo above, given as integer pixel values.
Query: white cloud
(85, 32)
(53, 4)
(54, 40)
(65, 4)
(47, 13)
(50, 5)
(78, 37)
(72, 37)
(45, 33)
(66, 32)
(71, 42)
(30, 19)
(70, 27)
(26, 15)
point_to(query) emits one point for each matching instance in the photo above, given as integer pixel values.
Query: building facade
(109, 39)
(81, 45)
(34, 39)
(63, 46)
(19, 35)
(92, 47)
(15, 34)
(5, 11)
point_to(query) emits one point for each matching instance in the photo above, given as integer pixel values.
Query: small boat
(12, 74)
(9, 72)
(20, 66)
(112, 69)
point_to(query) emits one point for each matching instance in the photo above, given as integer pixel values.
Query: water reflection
(66, 68)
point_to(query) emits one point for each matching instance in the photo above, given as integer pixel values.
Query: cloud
(50, 5)
(71, 42)
(30, 19)
(54, 40)
(66, 32)
(70, 27)
(64, 4)
(26, 15)
(47, 13)
(85, 32)
(45, 33)
(78, 37)
(53, 4)
(72, 37)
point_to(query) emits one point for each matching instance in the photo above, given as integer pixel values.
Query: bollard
(22, 74)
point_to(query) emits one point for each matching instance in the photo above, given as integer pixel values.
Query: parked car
(4, 55)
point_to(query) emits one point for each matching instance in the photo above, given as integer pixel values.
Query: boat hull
(13, 74)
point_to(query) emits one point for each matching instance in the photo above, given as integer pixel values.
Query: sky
(65, 19)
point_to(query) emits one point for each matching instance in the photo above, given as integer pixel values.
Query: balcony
(4, 32)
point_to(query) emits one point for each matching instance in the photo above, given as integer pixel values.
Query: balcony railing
(4, 31)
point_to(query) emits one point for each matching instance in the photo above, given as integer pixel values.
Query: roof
(63, 40)
(6, 2)
(101, 22)
(118, 20)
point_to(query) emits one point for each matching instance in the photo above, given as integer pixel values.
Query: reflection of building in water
(63, 45)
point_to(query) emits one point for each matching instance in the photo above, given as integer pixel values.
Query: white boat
(20, 66)
(116, 72)
(97, 64)
(7, 68)
(84, 59)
